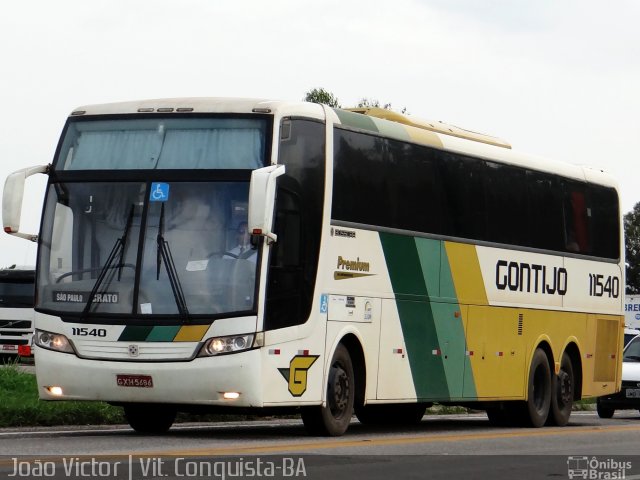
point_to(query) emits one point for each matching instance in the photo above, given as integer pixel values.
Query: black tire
(535, 410)
(334, 418)
(150, 418)
(393, 414)
(562, 392)
(604, 412)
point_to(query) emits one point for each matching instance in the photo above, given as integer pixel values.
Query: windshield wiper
(164, 253)
(117, 251)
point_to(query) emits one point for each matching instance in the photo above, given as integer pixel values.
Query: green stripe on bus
(356, 120)
(163, 334)
(416, 316)
(392, 129)
(135, 334)
(447, 318)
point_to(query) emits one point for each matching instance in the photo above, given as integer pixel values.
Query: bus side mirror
(262, 199)
(12, 197)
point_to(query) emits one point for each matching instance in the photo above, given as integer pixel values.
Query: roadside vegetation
(20, 407)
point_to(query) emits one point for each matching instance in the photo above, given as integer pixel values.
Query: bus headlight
(53, 341)
(230, 344)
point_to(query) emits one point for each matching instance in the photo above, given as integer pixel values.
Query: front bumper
(201, 381)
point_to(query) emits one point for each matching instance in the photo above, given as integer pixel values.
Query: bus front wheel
(150, 418)
(333, 419)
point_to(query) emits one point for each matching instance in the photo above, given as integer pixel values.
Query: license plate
(633, 393)
(12, 348)
(139, 381)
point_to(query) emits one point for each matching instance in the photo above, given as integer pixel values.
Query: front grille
(145, 351)
(14, 342)
(15, 324)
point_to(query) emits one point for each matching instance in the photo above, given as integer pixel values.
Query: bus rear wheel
(562, 391)
(333, 419)
(536, 408)
(150, 418)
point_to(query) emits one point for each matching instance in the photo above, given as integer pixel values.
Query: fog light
(231, 395)
(57, 391)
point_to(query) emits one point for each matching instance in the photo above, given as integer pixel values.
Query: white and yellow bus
(390, 264)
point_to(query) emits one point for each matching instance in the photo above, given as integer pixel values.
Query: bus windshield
(167, 248)
(120, 239)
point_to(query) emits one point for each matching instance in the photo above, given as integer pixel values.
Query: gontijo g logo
(297, 373)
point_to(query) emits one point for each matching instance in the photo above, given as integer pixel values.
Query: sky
(555, 78)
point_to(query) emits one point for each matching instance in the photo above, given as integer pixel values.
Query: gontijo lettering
(531, 278)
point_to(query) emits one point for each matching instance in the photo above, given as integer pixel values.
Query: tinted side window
(360, 190)
(606, 221)
(507, 219)
(464, 193)
(400, 185)
(544, 211)
(387, 183)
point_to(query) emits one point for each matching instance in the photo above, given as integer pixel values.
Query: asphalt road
(452, 446)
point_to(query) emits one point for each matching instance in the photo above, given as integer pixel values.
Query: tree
(372, 102)
(320, 95)
(632, 248)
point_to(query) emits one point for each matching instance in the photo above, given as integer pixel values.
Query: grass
(20, 407)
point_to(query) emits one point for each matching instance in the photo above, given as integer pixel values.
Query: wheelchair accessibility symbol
(159, 192)
(324, 303)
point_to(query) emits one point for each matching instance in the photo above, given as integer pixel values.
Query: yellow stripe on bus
(191, 333)
(466, 273)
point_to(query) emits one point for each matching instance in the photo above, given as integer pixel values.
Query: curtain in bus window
(576, 220)
(212, 148)
(170, 144)
(104, 150)
(580, 220)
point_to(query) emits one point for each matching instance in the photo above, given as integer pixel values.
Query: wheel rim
(339, 391)
(565, 389)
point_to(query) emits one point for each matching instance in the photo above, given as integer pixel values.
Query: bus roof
(376, 120)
